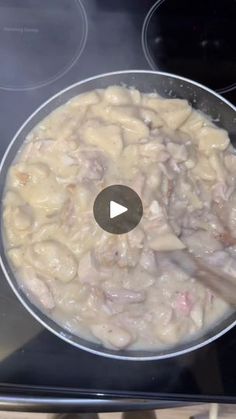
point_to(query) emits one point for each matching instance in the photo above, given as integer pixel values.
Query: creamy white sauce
(122, 291)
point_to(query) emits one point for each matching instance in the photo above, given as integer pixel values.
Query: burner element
(194, 40)
(39, 41)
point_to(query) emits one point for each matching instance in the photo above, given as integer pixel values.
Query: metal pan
(169, 85)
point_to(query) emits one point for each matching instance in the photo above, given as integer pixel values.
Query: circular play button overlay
(117, 209)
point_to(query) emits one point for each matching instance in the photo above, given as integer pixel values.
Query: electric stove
(46, 46)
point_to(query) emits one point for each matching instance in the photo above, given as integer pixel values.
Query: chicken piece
(148, 261)
(171, 187)
(156, 211)
(67, 213)
(229, 214)
(224, 261)
(155, 221)
(168, 269)
(129, 161)
(105, 251)
(125, 296)
(221, 192)
(138, 183)
(177, 151)
(188, 191)
(93, 165)
(201, 242)
(127, 256)
(136, 238)
(226, 238)
(152, 185)
(174, 165)
(87, 271)
(217, 162)
(116, 250)
(167, 173)
(214, 224)
(71, 188)
(154, 177)
(230, 162)
(183, 303)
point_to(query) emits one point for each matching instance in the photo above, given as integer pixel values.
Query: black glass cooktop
(44, 47)
(193, 39)
(39, 41)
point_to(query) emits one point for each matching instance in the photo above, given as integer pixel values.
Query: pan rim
(25, 301)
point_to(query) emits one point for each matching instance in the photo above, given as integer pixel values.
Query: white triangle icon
(116, 209)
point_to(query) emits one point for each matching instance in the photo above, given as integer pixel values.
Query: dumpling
(53, 259)
(212, 138)
(105, 137)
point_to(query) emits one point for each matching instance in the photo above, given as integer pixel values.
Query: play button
(117, 209)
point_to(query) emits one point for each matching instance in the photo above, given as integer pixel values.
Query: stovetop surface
(45, 47)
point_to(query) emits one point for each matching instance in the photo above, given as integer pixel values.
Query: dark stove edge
(81, 405)
(68, 392)
(44, 399)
